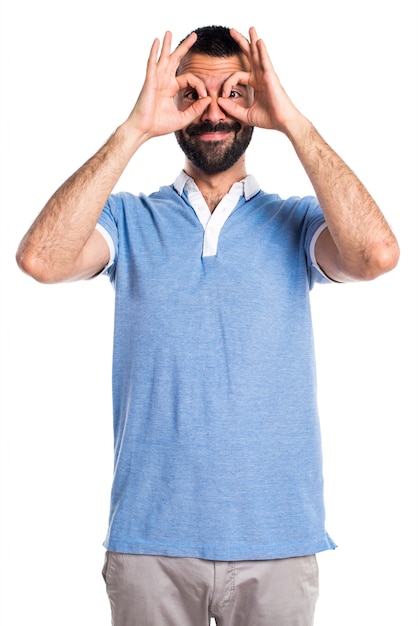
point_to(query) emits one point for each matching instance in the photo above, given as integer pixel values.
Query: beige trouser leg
(165, 591)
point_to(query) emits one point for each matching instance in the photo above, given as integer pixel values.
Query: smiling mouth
(212, 132)
(213, 136)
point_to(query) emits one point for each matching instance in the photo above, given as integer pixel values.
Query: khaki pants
(167, 591)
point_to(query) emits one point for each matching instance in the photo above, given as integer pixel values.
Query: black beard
(213, 157)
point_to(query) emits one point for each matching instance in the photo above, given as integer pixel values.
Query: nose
(213, 112)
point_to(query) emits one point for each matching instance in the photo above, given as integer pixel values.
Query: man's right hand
(155, 112)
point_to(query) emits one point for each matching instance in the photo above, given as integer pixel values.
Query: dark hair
(215, 41)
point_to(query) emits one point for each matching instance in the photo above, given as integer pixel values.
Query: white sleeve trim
(314, 239)
(109, 242)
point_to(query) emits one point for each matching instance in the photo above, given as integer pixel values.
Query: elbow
(381, 260)
(34, 267)
(386, 259)
(369, 265)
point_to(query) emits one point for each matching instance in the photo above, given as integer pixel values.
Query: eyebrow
(238, 84)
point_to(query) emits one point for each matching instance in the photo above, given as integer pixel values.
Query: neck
(214, 187)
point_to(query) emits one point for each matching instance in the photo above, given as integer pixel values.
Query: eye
(191, 95)
(234, 94)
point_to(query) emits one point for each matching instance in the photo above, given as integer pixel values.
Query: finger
(183, 48)
(259, 50)
(166, 47)
(253, 35)
(152, 59)
(241, 41)
(190, 80)
(194, 111)
(254, 39)
(249, 48)
(234, 110)
(236, 80)
(265, 60)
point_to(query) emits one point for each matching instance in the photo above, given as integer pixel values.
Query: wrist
(298, 128)
(129, 138)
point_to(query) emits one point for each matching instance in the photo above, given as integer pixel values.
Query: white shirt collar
(249, 185)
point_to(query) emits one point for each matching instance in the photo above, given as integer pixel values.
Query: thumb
(234, 110)
(194, 110)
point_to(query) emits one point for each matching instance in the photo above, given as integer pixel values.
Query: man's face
(214, 142)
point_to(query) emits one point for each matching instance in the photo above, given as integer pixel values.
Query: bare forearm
(365, 244)
(56, 238)
(358, 243)
(61, 244)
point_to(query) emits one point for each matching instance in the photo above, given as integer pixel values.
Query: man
(217, 501)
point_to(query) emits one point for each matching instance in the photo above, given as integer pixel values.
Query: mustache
(207, 127)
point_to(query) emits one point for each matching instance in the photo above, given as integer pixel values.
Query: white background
(71, 73)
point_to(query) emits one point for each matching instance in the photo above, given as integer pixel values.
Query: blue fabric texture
(217, 437)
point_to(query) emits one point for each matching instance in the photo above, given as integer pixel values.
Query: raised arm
(63, 244)
(358, 243)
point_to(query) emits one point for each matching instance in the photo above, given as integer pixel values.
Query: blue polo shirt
(217, 438)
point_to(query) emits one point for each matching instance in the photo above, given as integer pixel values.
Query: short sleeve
(315, 224)
(107, 227)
